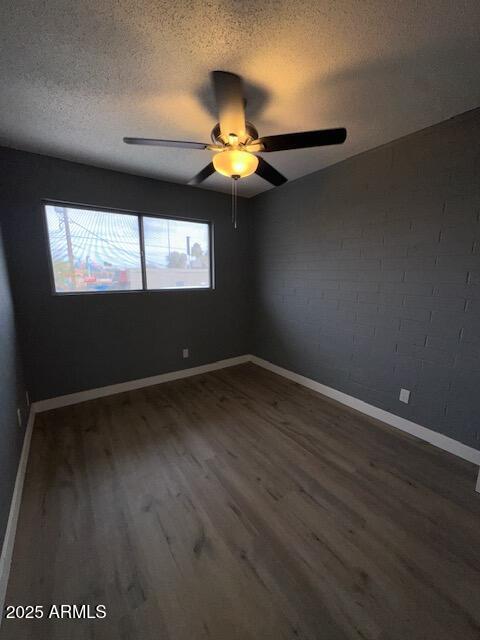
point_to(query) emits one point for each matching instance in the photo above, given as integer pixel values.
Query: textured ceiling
(77, 76)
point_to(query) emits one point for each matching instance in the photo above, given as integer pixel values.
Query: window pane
(93, 250)
(177, 254)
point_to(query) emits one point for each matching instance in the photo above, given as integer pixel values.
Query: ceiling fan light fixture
(235, 162)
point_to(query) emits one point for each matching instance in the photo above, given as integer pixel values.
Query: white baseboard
(100, 392)
(437, 439)
(9, 541)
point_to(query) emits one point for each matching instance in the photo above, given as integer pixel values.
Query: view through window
(95, 251)
(176, 253)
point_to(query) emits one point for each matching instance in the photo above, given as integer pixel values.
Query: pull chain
(234, 202)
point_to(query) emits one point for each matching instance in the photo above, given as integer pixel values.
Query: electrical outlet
(404, 395)
(19, 417)
(185, 353)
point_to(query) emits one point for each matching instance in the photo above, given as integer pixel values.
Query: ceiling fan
(235, 141)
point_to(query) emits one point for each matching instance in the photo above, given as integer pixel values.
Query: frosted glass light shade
(234, 162)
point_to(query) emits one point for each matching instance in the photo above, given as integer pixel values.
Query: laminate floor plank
(237, 505)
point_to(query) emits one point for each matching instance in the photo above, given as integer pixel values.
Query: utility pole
(63, 211)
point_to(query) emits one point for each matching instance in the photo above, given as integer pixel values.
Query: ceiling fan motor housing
(251, 134)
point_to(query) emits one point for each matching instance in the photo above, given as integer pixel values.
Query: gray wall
(367, 276)
(12, 395)
(79, 342)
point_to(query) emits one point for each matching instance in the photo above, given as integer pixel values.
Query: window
(176, 254)
(94, 251)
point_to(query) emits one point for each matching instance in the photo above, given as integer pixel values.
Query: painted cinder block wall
(367, 276)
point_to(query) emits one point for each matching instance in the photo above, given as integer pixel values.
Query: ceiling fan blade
(269, 173)
(203, 174)
(228, 89)
(156, 142)
(303, 139)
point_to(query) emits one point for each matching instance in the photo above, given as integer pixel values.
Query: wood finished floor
(239, 505)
